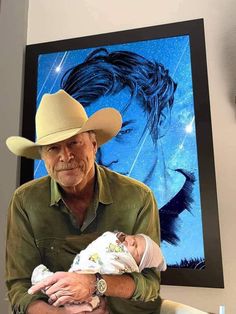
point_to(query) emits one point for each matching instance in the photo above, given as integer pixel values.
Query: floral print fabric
(105, 255)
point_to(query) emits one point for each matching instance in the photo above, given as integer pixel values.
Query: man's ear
(95, 145)
(93, 140)
(164, 121)
(95, 148)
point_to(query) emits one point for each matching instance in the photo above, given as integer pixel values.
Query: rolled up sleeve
(148, 282)
(147, 285)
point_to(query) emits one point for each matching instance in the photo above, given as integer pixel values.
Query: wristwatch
(101, 285)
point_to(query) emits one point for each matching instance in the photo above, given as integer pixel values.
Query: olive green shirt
(42, 230)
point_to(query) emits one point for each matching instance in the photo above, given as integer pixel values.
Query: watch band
(101, 285)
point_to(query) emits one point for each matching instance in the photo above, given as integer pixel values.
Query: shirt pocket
(53, 255)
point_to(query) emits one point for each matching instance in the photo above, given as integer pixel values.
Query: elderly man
(53, 218)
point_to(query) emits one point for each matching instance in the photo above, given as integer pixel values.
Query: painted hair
(103, 73)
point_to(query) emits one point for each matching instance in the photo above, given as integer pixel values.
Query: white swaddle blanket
(105, 255)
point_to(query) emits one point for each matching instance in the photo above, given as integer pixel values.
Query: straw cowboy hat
(60, 117)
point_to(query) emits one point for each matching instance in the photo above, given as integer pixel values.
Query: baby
(111, 253)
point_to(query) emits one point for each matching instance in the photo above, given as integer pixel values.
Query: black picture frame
(212, 274)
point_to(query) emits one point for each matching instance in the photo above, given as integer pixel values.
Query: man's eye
(77, 142)
(52, 148)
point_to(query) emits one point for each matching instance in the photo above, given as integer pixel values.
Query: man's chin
(69, 181)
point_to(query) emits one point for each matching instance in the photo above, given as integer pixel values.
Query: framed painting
(157, 78)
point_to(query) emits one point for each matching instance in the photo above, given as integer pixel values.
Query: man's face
(71, 162)
(132, 151)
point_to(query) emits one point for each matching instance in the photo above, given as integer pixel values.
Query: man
(52, 218)
(143, 92)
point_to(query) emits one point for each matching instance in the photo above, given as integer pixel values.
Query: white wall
(62, 19)
(13, 31)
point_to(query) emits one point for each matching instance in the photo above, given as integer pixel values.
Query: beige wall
(62, 19)
(13, 26)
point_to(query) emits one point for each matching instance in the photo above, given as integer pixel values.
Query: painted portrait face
(132, 151)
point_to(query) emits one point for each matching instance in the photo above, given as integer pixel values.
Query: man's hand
(73, 309)
(101, 309)
(39, 307)
(64, 287)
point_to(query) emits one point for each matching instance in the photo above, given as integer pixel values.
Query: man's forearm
(121, 286)
(39, 307)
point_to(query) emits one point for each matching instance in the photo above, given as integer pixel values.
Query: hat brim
(106, 123)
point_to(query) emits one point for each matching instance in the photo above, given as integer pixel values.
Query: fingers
(102, 308)
(103, 303)
(49, 281)
(82, 308)
(58, 301)
(53, 298)
(57, 287)
(73, 309)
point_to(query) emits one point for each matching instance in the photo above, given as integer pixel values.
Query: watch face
(101, 286)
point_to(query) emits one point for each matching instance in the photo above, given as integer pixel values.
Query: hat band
(57, 136)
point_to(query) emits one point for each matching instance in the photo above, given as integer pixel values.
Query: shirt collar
(104, 192)
(55, 193)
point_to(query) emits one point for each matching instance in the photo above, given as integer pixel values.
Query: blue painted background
(179, 144)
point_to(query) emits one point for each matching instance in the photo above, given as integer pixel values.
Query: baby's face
(136, 246)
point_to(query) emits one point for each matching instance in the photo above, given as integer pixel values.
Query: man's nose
(66, 154)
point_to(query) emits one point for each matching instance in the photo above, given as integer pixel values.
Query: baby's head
(144, 250)
(135, 244)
